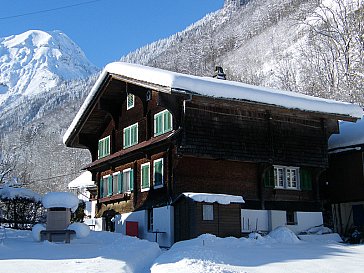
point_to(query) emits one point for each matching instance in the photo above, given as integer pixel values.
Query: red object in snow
(132, 228)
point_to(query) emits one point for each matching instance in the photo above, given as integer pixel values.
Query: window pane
(158, 172)
(207, 212)
(126, 181)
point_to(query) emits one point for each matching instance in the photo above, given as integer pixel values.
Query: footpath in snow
(281, 251)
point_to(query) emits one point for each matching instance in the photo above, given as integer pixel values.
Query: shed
(199, 213)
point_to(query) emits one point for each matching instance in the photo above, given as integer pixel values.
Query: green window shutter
(109, 185)
(134, 134)
(167, 121)
(126, 137)
(158, 130)
(306, 179)
(107, 146)
(99, 150)
(269, 178)
(131, 186)
(145, 176)
(101, 188)
(158, 172)
(120, 182)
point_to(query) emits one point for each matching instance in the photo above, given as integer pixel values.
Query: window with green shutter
(158, 173)
(162, 122)
(130, 135)
(104, 147)
(130, 101)
(305, 179)
(145, 176)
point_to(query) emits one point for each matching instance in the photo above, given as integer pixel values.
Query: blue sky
(105, 29)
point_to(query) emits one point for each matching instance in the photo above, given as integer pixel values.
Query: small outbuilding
(199, 213)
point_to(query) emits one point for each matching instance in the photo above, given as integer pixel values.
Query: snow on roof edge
(212, 87)
(223, 199)
(351, 135)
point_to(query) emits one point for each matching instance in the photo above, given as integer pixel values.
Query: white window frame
(127, 101)
(285, 172)
(161, 113)
(141, 177)
(154, 163)
(105, 149)
(127, 188)
(129, 132)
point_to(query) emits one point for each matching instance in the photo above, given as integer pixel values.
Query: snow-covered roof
(60, 200)
(12, 192)
(351, 135)
(207, 86)
(223, 199)
(83, 181)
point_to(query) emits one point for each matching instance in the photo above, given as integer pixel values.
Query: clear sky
(104, 29)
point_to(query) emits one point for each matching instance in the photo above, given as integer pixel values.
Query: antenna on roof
(219, 73)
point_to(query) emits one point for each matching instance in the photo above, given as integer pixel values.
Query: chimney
(219, 73)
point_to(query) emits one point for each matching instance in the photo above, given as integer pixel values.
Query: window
(286, 177)
(162, 122)
(104, 147)
(150, 219)
(128, 180)
(106, 186)
(130, 135)
(130, 101)
(116, 182)
(291, 217)
(145, 177)
(158, 173)
(208, 212)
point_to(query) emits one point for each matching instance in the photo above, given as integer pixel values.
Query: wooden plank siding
(189, 223)
(254, 135)
(345, 177)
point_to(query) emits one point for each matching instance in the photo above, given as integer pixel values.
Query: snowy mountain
(296, 45)
(36, 61)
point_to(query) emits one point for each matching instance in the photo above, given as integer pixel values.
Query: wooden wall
(346, 177)
(253, 133)
(189, 223)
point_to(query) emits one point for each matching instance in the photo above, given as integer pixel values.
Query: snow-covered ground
(113, 252)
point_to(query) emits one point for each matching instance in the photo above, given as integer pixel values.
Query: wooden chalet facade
(154, 135)
(344, 187)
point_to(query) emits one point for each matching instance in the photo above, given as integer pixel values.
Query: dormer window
(130, 135)
(104, 147)
(162, 122)
(130, 101)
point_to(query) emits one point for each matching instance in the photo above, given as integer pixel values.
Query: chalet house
(344, 187)
(178, 155)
